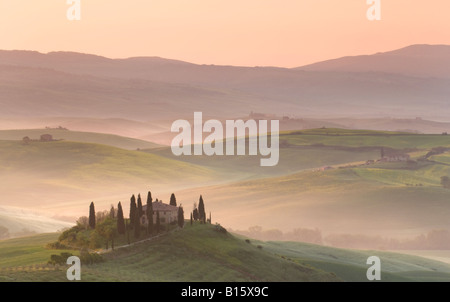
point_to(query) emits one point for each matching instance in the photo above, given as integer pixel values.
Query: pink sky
(285, 33)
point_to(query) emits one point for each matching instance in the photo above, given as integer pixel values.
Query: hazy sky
(285, 33)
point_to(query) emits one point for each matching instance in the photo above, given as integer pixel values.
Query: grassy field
(200, 253)
(77, 136)
(27, 251)
(197, 253)
(364, 138)
(350, 265)
(63, 177)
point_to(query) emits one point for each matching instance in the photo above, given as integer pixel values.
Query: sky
(285, 33)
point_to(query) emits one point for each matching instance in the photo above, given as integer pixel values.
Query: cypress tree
(137, 226)
(201, 210)
(158, 222)
(120, 220)
(195, 212)
(112, 212)
(150, 213)
(180, 216)
(133, 210)
(173, 200)
(92, 216)
(139, 207)
(191, 218)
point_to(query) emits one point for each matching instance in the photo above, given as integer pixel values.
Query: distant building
(396, 157)
(325, 168)
(167, 213)
(46, 138)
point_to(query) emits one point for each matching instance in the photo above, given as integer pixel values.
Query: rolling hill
(62, 177)
(200, 253)
(414, 60)
(72, 85)
(77, 136)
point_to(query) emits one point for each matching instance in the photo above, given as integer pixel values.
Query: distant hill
(414, 60)
(76, 136)
(406, 83)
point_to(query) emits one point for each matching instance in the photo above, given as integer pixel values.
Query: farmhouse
(396, 157)
(167, 213)
(46, 138)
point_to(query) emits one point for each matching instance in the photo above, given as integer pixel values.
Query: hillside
(414, 60)
(200, 253)
(197, 253)
(70, 84)
(77, 136)
(62, 177)
(392, 199)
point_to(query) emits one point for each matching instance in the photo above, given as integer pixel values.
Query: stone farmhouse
(167, 213)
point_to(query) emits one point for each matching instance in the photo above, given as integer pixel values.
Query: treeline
(433, 240)
(298, 234)
(105, 228)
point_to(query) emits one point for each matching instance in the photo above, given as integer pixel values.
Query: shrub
(247, 240)
(90, 258)
(59, 259)
(220, 229)
(57, 246)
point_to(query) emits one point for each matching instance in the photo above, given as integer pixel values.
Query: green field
(200, 253)
(26, 251)
(197, 253)
(77, 136)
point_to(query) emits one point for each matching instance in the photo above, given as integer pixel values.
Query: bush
(247, 240)
(59, 259)
(220, 229)
(57, 246)
(90, 258)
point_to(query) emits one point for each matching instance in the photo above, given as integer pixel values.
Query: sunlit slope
(315, 148)
(62, 174)
(350, 265)
(20, 222)
(369, 200)
(195, 253)
(77, 136)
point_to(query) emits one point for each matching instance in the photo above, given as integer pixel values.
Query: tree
(191, 218)
(112, 212)
(92, 216)
(180, 216)
(173, 200)
(107, 230)
(120, 220)
(137, 225)
(140, 212)
(195, 212)
(133, 210)
(158, 222)
(201, 210)
(150, 213)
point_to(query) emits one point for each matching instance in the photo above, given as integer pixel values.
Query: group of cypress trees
(199, 212)
(136, 212)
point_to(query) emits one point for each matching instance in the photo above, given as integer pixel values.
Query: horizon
(266, 34)
(213, 64)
